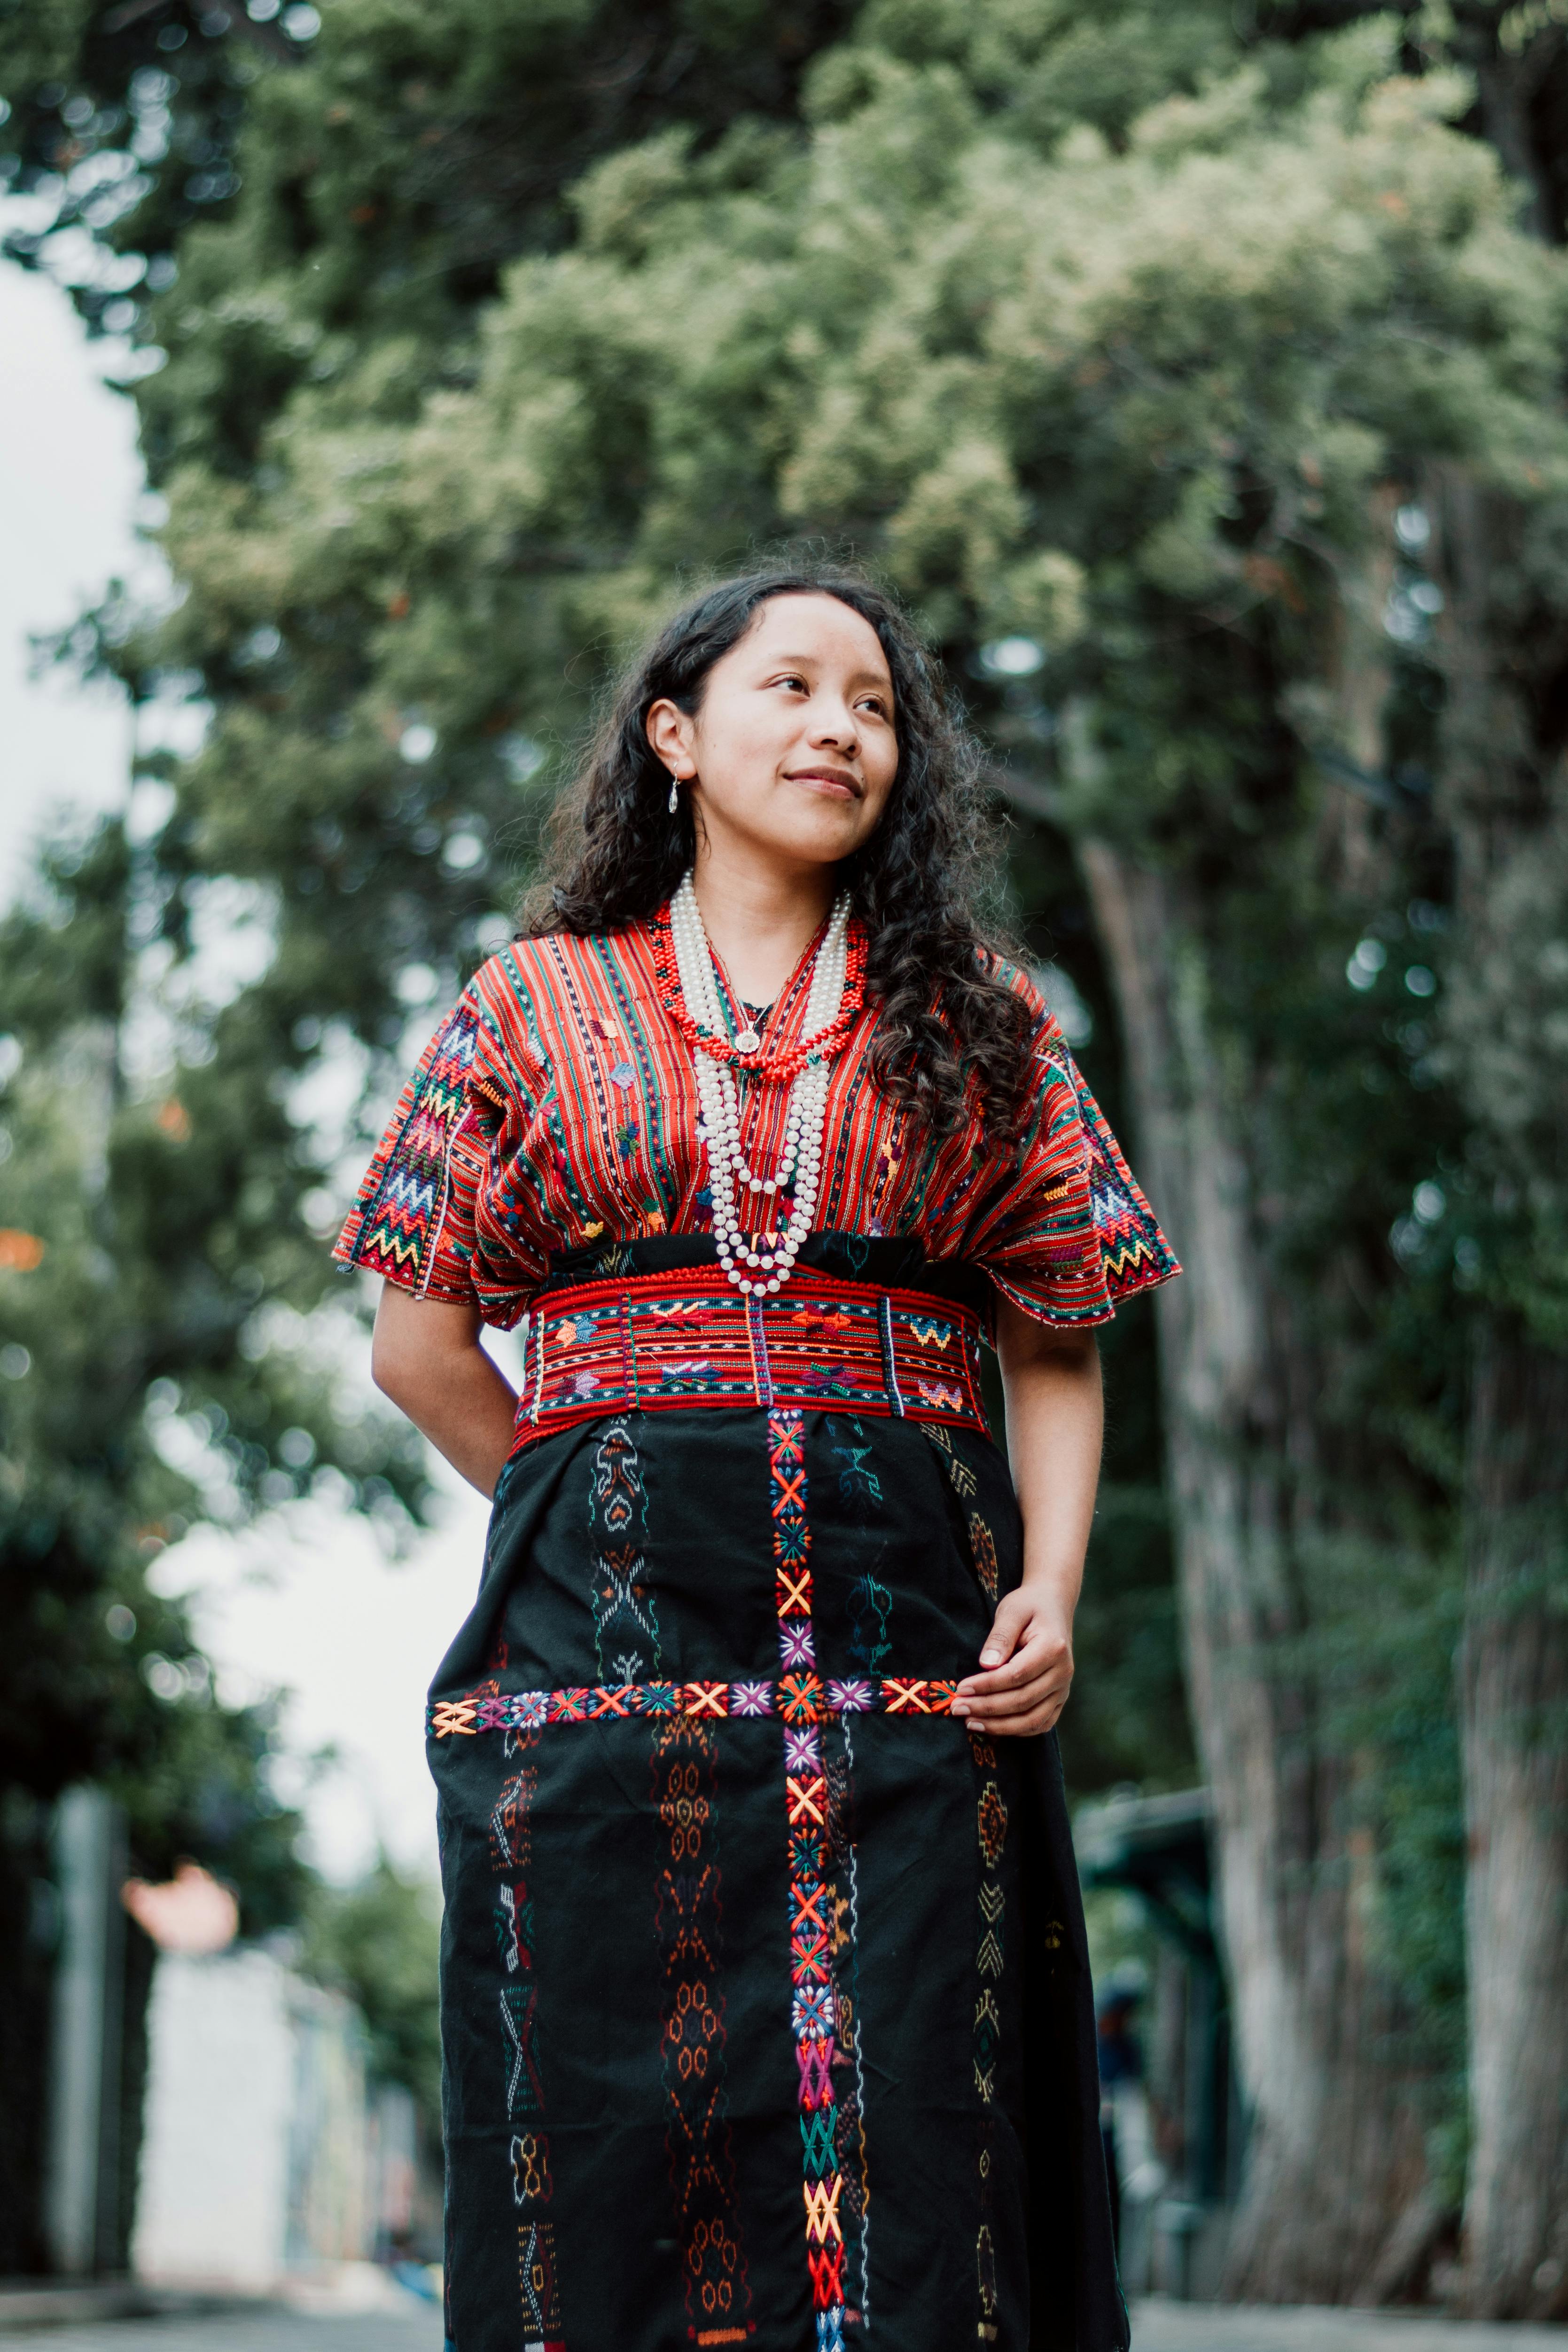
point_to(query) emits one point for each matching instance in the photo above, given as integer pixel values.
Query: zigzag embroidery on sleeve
(404, 1195)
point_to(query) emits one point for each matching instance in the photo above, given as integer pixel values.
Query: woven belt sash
(663, 1342)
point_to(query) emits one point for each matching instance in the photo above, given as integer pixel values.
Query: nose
(833, 726)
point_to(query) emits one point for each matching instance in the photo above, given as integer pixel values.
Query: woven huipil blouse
(555, 1107)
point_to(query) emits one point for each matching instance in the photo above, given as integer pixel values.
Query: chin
(825, 839)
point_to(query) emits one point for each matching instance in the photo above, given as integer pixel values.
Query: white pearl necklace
(750, 1269)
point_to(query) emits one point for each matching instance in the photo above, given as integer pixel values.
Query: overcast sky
(69, 485)
(307, 1603)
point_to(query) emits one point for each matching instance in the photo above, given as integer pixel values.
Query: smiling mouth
(833, 776)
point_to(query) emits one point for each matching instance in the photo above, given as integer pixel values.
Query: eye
(873, 702)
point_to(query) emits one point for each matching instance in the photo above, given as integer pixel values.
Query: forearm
(1055, 1428)
(427, 1359)
(1055, 1419)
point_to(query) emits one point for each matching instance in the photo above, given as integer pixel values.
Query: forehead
(818, 629)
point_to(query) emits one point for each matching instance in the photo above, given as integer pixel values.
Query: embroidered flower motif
(812, 2010)
(800, 1698)
(795, 1645)
(532, 1708)
(751, 1698)
(851, 1697)
(802, 1750)
(624, 1075)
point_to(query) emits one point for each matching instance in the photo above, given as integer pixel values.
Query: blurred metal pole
(81, 2182)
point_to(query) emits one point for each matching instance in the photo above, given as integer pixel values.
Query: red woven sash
(666, 1342)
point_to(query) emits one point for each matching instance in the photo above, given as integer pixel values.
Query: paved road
(1162, 2326)
(416, 2330)
(1157, 2326)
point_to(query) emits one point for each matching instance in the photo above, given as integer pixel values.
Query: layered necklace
(747, 1207)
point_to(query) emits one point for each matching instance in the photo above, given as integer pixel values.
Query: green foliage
(151, 1184)
(1123, 334)
(378, 1942)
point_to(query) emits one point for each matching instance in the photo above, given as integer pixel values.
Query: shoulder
(539, 964)
(528, 997)
(1047, 1042)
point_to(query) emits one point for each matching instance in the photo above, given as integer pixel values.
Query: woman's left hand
(1027, 1666)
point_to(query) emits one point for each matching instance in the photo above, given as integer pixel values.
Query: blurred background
(372, 377)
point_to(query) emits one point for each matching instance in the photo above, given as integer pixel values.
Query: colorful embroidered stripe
(658, 1340)
(801, 1698)
(403, 1200)
(812, 2015)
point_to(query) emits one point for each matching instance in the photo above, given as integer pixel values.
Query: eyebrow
(812, 661)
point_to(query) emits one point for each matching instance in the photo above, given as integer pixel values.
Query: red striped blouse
(555, 1106)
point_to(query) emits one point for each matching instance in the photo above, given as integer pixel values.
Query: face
(792, 753)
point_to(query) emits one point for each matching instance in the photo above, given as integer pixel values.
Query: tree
(1133, 408)
(1141, 354)
(1506, 794)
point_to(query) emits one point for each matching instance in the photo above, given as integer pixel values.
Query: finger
(1057, 1675)
(1031, 1726)
(1007, 1631)
(1036, 1658)
(1010, 1706)
(1023, 1723)
(1045, 1654)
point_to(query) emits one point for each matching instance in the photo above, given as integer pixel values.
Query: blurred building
(218, 2127)
(258, 2151)
(1180, 2130)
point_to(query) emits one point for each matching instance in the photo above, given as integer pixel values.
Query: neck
(760, 920)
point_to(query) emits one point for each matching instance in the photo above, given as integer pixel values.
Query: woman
(765, 1995)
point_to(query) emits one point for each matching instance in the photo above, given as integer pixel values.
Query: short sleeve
(413, 1221)
(1062, 1228)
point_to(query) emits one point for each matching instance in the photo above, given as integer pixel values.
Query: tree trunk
(1505, 799)
(1514, 1678)
(1336, 2161)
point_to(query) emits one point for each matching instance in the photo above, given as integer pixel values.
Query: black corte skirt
(765, 2002)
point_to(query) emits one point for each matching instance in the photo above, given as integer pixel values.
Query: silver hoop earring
(674, 794)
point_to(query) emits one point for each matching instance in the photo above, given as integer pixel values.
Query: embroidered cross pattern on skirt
(807, 1706)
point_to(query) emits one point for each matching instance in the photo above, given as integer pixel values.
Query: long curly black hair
(952, 1036)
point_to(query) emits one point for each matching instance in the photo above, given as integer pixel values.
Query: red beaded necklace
(773, 1067)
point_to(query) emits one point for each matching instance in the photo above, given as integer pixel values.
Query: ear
(670, 733)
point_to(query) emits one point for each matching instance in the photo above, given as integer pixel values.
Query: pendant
(747, 1042)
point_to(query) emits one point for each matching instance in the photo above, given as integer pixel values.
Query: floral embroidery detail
(625, 1620)
(983, 1551)
(800, 1698)
(687, 1924)
(991, 1815)
(511, 1856)
(850, 1698)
